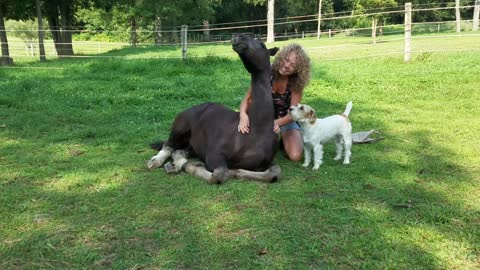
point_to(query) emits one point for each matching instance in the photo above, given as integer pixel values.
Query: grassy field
(75, 192)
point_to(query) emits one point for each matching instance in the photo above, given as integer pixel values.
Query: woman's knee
(295, 155)
(293, 144)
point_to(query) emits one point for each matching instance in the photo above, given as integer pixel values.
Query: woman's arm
(244, 125)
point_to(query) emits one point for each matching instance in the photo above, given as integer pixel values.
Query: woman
(290, 75)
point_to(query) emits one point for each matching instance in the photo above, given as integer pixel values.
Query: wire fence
(221, 34)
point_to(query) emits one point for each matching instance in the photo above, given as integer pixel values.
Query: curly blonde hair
(301, 78)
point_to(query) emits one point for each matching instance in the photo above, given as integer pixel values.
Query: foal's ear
(273, 51)
(312, 116)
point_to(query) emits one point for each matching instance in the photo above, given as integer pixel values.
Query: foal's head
(253, 52)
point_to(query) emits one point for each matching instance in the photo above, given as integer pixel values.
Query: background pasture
(75, 191)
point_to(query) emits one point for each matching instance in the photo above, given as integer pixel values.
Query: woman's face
(288, 67)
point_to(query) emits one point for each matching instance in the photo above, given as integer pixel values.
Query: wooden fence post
(457, 14)
(184, 37)
(408, 32)
(270, 22)
(374, 30)
(319, 18)
(476, 13)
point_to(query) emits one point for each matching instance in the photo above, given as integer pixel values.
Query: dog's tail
(348, 108)
(157, 145)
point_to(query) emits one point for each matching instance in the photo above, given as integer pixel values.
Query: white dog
(318, 131)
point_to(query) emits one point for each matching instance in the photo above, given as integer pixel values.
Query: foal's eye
(301, 108)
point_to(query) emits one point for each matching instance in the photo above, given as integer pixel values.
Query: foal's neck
(261, 109)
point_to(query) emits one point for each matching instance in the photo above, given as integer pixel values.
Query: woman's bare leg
(293, 144)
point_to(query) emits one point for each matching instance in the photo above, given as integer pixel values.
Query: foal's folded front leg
(272, 174)
(179, 160)
(218, 163)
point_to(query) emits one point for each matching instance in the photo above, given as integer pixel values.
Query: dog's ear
(312, 116)
(273, 51)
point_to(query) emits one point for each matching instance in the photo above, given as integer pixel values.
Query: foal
(209, 130)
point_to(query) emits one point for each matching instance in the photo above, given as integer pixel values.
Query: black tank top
(281, 102)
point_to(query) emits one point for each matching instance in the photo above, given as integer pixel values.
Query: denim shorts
(291, 125)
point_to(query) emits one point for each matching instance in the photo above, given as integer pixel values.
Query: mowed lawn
(75, 192)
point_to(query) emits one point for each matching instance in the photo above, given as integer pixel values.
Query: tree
(40, 31)
(369, 6)
(5, 59)
(60, 20)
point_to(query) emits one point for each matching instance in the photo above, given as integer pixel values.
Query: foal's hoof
(170, 168)
(274, 174)
(219, 176)
(153, 163)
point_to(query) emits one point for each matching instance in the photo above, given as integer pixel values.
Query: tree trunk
(66, 15)
(5, 58)
(270, 21)
(206, 31)
(40, 32)
(60, 17)
(158, 30)
(133, 32)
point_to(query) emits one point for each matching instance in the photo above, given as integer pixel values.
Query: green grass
(75, 192)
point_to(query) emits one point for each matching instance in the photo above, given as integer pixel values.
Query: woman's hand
(244, 125)
(276, 127)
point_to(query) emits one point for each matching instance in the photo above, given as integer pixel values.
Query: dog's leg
(179, 160)
(339, 147)
(317, 156)
(307, 153)
(348, 145)
(159, 159)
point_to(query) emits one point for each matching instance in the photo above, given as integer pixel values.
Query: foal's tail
(348, 108)
(157, 145)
